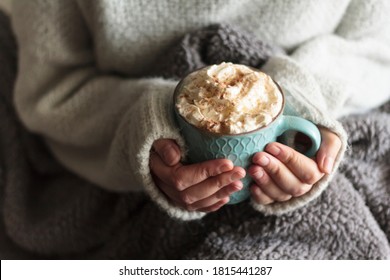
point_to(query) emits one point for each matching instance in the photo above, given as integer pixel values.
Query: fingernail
(169, 154)
(259, 174)
(238, 186)
(263, 161)
(225, 200)
(272, 149)
(328, 164)
(225, 168)
(236, 176)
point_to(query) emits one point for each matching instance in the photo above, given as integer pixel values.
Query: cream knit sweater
(81, 63)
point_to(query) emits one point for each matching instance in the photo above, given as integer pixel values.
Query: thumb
(168, 150)
(330, 147)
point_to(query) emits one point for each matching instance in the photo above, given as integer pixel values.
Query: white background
(313, 270)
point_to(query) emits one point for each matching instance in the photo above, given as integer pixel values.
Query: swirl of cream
(229, 99)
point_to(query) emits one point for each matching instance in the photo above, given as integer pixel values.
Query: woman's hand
(280, 172)
(204, 186)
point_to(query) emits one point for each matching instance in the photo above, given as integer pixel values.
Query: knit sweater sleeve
(99, 125)
(336, 74)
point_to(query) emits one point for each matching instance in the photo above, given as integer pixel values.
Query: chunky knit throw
(48, 212)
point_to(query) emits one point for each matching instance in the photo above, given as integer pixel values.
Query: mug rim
(205, 131)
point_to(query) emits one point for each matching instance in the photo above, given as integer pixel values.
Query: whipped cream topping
(229, 99)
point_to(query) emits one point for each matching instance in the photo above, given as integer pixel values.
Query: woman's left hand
(280, 172)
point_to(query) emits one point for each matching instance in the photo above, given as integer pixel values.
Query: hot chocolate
(229, 99)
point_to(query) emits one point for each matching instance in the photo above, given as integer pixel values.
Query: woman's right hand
(204, 186)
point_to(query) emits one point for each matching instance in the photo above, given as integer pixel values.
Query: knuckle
(262, 181)
(229, 190)
(177, 182)
(203, 170)
(222, 193)
(221, 203)
(300, 191)
(290, 158)
(309, 178)
(265, 179)
(218, 182)
(261, 198)
(186, 199)
(296, 191)
(275, 169)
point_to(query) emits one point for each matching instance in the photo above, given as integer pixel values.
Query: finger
(211, 200)
(169, 192)
(304, 168)
(281, 175)
(168, 150)
(216, 206)
(164, 174)
(259, 196)
(267, 185)
(211, 185)
(159, 168)
(330, 147)
(207, 205)
(185, 176)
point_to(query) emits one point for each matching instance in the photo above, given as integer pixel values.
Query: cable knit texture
(83, 65)
(49, 212)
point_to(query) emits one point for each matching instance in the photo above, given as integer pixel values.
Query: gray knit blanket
(48, 212)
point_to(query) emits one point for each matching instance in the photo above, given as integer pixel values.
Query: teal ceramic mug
(204, 145)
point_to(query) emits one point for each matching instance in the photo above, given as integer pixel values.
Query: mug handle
(304, 126)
